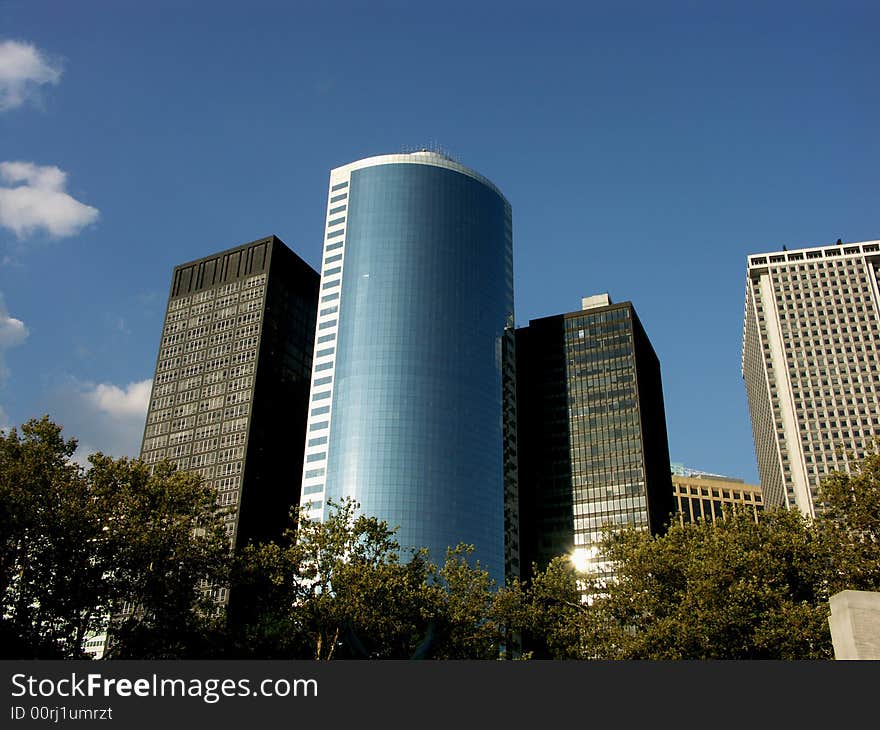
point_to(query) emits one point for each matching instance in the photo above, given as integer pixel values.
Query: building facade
(592, 442)
(407, 391)
(700, 496)
(230, 393)
(811, 339)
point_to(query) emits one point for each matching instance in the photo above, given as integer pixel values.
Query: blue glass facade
(427, 290)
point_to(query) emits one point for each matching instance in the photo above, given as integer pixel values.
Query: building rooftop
(596, 300)
(680, 470)
(834, 250)
(420, 157)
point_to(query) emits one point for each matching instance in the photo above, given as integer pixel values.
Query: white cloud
(12, 330)
(103, 417)
(40, 202)
(23, 70)
(12, 333)
(132, 400)
(47, 178)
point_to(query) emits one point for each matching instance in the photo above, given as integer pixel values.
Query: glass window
(379, 424)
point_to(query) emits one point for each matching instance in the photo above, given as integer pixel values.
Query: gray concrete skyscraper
(406, 397)
(811, 340)
(230, 392)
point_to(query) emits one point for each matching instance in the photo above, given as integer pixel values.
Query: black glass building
(230, 393)
(406, 400)
(592, 441)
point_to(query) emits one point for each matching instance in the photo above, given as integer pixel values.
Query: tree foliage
(51, 587)
(735, 589)
(331, 589)
(553, 611)
(80, 546)
(851, 519)
(146, 549)
(340, 589)
(165, 552)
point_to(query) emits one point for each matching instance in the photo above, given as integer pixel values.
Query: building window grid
(606, 449)
(855, 346)
(185, 323)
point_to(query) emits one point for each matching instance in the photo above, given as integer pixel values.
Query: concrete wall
(855, 624)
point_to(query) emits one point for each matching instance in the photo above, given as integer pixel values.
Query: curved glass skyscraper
(406, 398)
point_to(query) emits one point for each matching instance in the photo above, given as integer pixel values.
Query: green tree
(511, 614)
(851, 520)
(165, 551)
(78, 546)
(735, 589)
(553, 627)
(338, 589)
(386, 609)
(331, 589)
(51, 585)
(466, 627)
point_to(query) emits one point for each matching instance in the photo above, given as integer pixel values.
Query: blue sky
(646, 149)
